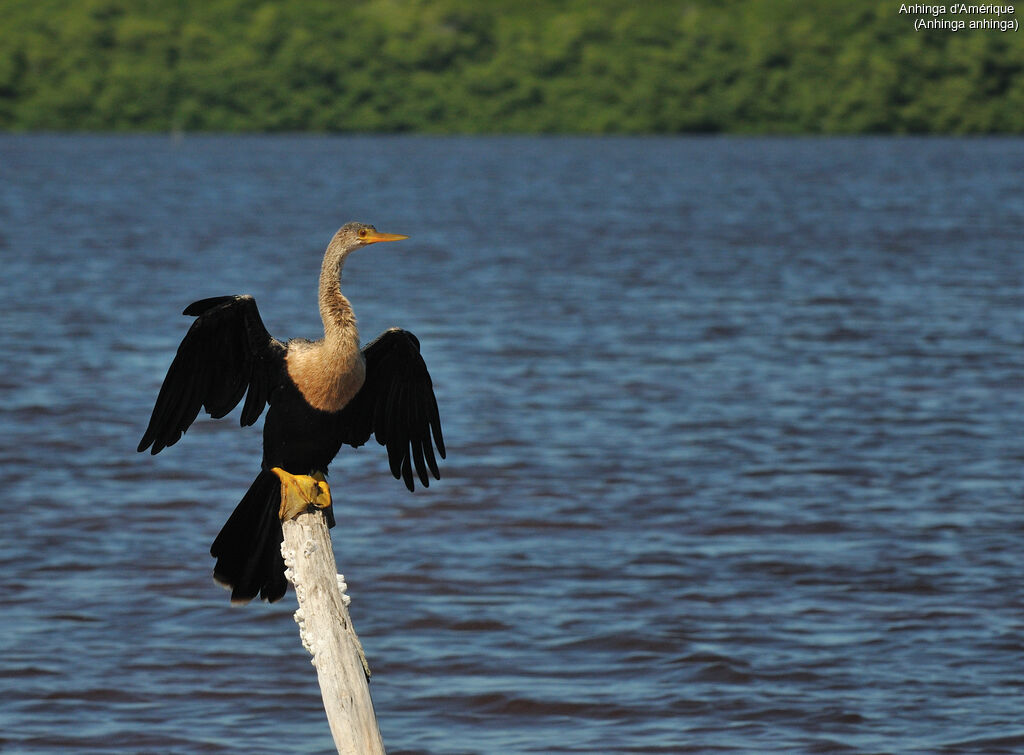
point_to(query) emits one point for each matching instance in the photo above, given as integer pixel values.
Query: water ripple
(735, 435)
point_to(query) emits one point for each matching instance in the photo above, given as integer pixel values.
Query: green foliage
(443, 66)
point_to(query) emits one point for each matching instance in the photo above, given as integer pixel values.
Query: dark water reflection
(736, 436)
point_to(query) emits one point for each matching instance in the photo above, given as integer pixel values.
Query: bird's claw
(299, 492)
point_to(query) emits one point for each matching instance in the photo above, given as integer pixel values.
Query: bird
(322, 394)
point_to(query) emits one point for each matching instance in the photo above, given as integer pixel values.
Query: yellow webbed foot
(299, 492)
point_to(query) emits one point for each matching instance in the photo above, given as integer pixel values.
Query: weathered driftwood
(327, 633)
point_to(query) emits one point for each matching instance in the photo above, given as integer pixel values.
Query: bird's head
(352, 236)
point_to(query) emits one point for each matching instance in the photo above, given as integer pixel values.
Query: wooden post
(327, 633)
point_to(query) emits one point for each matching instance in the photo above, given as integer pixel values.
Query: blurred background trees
(445, 66)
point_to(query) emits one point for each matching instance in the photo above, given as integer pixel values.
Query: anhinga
(322, 394)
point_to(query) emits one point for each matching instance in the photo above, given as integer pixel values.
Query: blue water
(735, 432)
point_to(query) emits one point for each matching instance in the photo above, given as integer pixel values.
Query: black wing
(397, 405)
(226, 353)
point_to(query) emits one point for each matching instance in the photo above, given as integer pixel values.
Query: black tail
(248, 548)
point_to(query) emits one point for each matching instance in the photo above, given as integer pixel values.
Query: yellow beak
(374, 236)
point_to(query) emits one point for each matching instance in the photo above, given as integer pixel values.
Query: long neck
(329, 372)
(335, 309)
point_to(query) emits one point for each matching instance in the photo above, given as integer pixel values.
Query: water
(735, 429)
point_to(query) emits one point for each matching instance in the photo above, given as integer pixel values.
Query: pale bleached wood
(327, 633)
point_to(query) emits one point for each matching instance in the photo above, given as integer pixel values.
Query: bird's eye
(362, 233)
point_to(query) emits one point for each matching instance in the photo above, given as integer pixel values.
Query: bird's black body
(228, 353)
(297, 437)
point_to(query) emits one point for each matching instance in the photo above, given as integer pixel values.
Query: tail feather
(248, 548)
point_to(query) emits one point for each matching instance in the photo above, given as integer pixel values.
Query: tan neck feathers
(329, 372)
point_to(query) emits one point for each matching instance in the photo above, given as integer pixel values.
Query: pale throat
(329, 372)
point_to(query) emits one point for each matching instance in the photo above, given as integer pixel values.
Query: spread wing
(397, 405)
(227, 353)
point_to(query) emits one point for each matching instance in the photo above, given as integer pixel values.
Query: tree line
(532, 66)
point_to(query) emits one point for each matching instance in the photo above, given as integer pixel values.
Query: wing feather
(397, 406)
(227, 353)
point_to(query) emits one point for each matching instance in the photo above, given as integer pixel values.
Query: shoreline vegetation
(460, 66)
